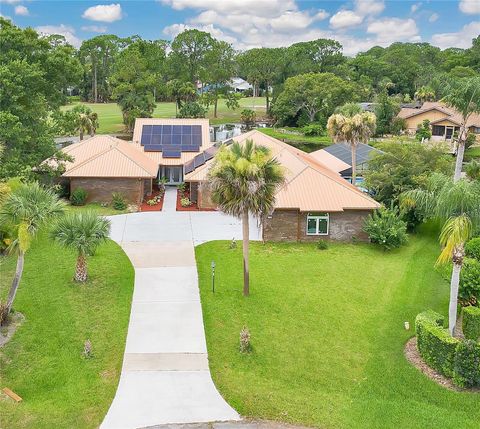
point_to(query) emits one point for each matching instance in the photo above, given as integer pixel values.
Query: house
(239, 85)
(315, 202)
(338, 157)
(444, 121)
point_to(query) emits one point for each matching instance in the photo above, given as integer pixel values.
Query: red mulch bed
(144, 207)
(192, 208)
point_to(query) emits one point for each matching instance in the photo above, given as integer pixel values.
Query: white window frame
(318, 217)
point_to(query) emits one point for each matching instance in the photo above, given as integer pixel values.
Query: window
(317, 223)
(438, 130)
(476, 130)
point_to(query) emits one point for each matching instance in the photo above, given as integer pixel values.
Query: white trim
(318, 217)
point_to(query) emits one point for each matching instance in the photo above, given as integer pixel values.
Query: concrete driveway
(165, 376)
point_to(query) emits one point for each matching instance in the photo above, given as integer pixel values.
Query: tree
(82, 232)
(189, 55)
(80, 119)
(425, 93)
(27, 208)
(386, 109)
(349, 109)
(464, 96)
(457, 205)
(423, 131)
(181, 91)
(354, 130)
(244, 180)
(316, 94)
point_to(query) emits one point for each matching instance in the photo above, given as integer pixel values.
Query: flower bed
(148, 206)
(192, 207)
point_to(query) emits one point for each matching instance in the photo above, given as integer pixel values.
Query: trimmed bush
(118, 201)
(78, 197)
(467, 364)
(471, 323)
(435, 344)
(386, 228)
(472, 248)
(469, 289)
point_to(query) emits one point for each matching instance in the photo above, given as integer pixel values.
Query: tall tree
(457, 205)
(464, 96)
(244, 180)
(82, 232)
(26, 209)
(353, 130)
(188, 55)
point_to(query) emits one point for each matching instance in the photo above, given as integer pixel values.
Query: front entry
(172, 174)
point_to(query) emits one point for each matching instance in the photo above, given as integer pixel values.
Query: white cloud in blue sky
(357, 24)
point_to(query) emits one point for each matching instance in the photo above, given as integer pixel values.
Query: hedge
(471, 323)
(467, 364)
(435, 344)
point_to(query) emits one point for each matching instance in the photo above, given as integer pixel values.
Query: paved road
(165, 376)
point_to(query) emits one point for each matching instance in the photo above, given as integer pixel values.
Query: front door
(173, 174)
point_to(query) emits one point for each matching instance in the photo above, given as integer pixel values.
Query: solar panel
(169, 153)
(183, 138)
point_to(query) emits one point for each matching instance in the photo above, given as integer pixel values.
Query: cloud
(94, 28)
(415, 7)
(433, 17)
(104, 12)
(10, 1)
(21, 10)
(470, 7)
(346, 18)
(460, 39)
(64, 30)
(394, 29)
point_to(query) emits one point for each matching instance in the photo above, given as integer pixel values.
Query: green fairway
(110, 115)
(327, 330)
(305, 143)
(43, 363)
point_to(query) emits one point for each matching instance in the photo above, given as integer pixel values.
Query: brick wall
(291, 225)
(101, 189)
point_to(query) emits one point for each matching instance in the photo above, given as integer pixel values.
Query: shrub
(467, 364)
(152, 202)
(192, 109)
(435, 344)
(245, 346)
(322, 245)
(185, 202)
(386, 228)
(248, 118)
(471, 323)
(397, 126)
(470, 281)
(78, 197)
(472, 248)
(182, 187)
(473, 170)
(118, 201)
(423, 131)
(312, 129)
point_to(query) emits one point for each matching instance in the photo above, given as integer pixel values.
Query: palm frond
(455, 233)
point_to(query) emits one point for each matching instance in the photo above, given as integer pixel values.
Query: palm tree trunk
(95, 89)
(267, 99)
(81, 134)
(354, 163)
(452, 309)
(81, 269)
(215, 107)
(460, 153)
(245, 243)
(15, 282)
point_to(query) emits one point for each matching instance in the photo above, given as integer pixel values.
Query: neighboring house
(239, 85)
(338, 157)
(315, 202)
(444, 121)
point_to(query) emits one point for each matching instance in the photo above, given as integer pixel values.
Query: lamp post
(213, 276)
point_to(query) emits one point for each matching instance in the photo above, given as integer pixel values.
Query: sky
(357, 24)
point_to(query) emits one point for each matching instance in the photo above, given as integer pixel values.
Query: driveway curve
(165, 376)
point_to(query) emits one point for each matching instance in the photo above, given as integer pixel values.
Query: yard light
(213, 276)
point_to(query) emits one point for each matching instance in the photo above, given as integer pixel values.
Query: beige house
(315, 202)
(444, 121)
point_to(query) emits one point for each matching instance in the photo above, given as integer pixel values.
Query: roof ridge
(131, 159)
(89, 159)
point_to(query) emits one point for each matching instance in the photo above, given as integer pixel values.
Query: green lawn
(306, 143)
(110, 116)
(43, 362)
(97, 208)
(473, 152)
(328, 335)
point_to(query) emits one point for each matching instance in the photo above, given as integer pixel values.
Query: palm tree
(425, 93)
(27, 208)
(355, 129)
(85, 124)
(244, 180)
(82, 232)
(464, 96)
(457, 205)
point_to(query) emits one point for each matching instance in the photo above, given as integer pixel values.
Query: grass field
(327, 330)
(43, 362)
(473, 152)
(305, 143)
(110, 116)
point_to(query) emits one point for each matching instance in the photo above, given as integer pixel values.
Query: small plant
(322, 245)
(386, 228)
(118, 201)
(182, 187)
(245, 346)
(152, 202)
(87, 349)
(233, 244)
(78, 197)
(472, 248)
(185, 202)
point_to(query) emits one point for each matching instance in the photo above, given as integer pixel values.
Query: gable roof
(310, 185)
(107, 156)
